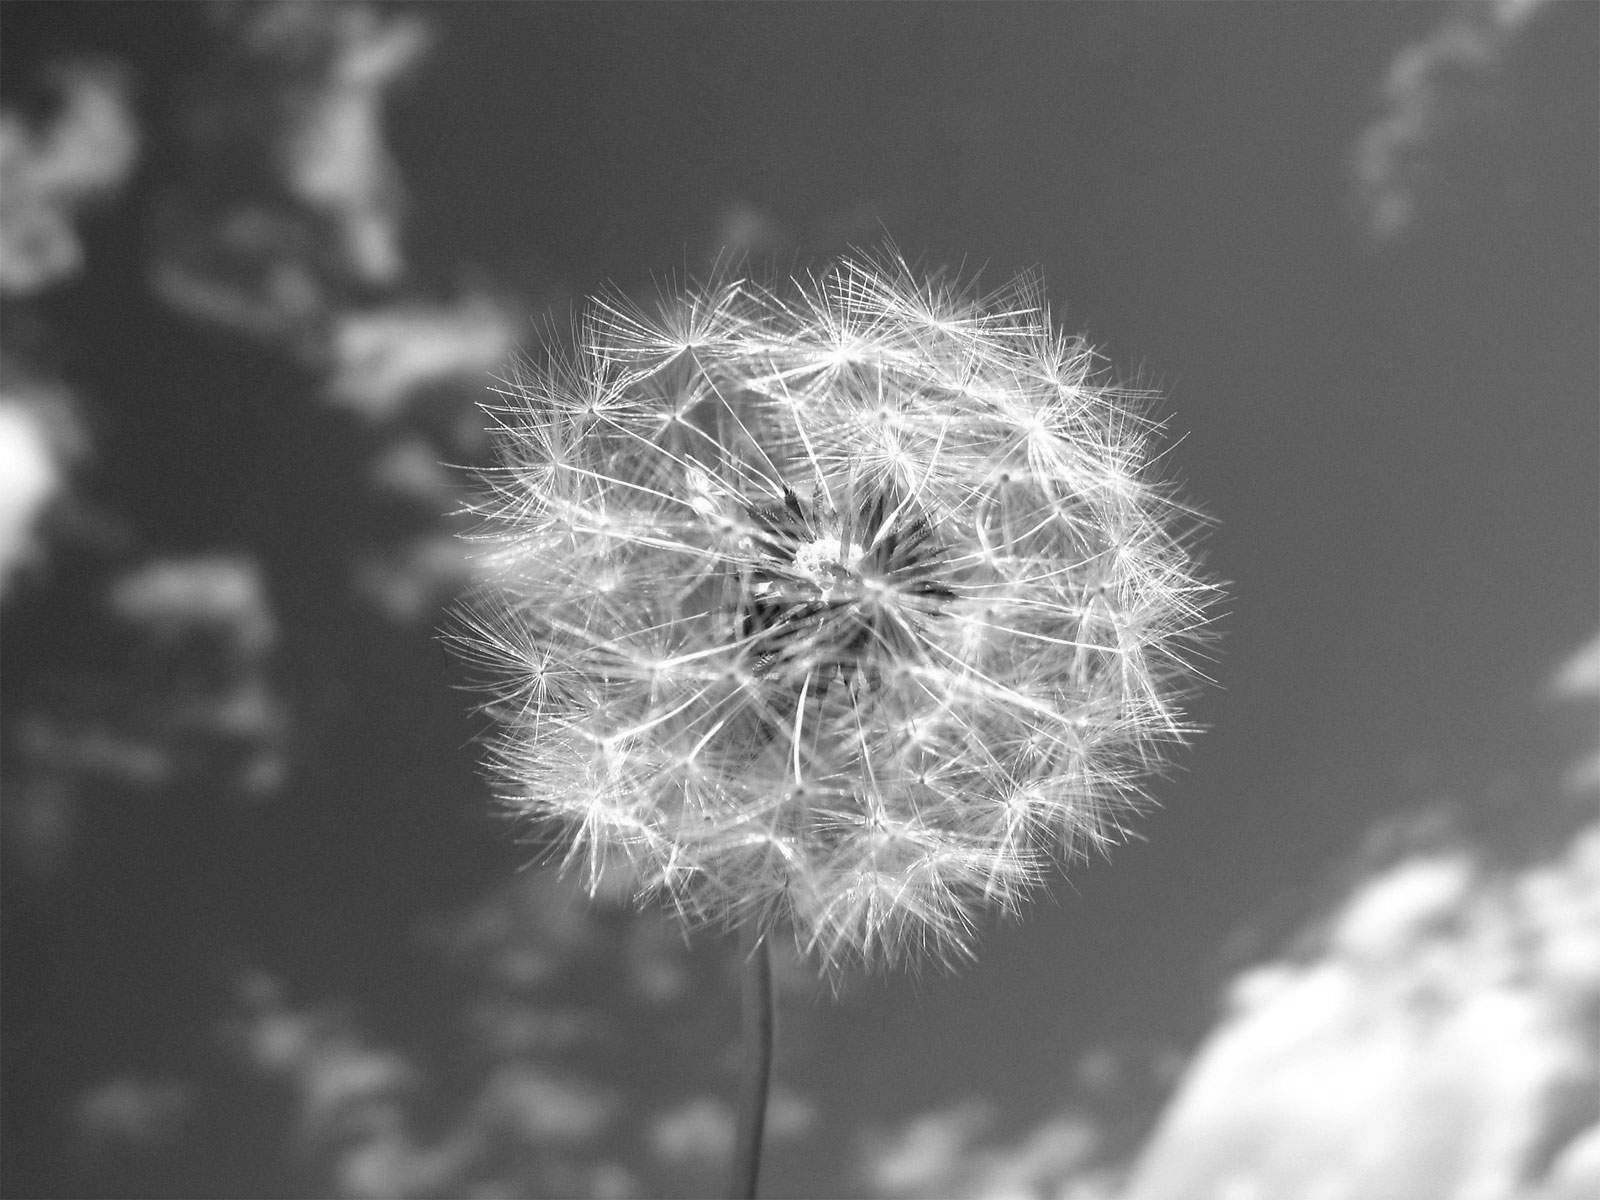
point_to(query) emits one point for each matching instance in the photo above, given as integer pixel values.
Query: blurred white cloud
(1577, 683)
(30, 476)
(293, 194)
(789, 1114)
(410, 467)
(382, 357)
(1435, 1043)
(302, 89)
(1579, 677)
(131, 1113)
(1049, 1159)
(410, 580)
(333, 149)
(927, 1152)
(697, 1131)
(352, 1101)
(1431, 1038)
(545, 1108)
(365, 1123)
(174, 597)
(1576, 1171)
(207, 701)
(49, 171)
(954, 1152)
(1441, 98)
(287, 229)
(196, 699)
(248, 269)
(1386, 917)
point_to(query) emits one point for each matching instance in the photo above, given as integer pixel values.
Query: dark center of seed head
(819, 585)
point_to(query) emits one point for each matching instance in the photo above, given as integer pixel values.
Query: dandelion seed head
(844, 610)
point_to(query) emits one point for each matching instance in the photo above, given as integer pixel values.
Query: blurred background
(262, 933)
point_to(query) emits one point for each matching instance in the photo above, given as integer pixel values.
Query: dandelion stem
(757, 1021)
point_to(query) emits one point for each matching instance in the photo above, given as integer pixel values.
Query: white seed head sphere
(846, 610)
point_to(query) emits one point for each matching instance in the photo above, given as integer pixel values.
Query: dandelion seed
(846, 611)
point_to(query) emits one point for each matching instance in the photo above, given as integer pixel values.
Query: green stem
(753, 1087)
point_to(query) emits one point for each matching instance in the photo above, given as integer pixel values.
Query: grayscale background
(262, 934)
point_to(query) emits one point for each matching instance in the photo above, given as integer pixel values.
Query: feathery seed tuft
(846, 610)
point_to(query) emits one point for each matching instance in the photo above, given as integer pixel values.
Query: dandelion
(845, 611)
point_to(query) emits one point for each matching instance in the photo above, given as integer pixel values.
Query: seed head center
(827, 563)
